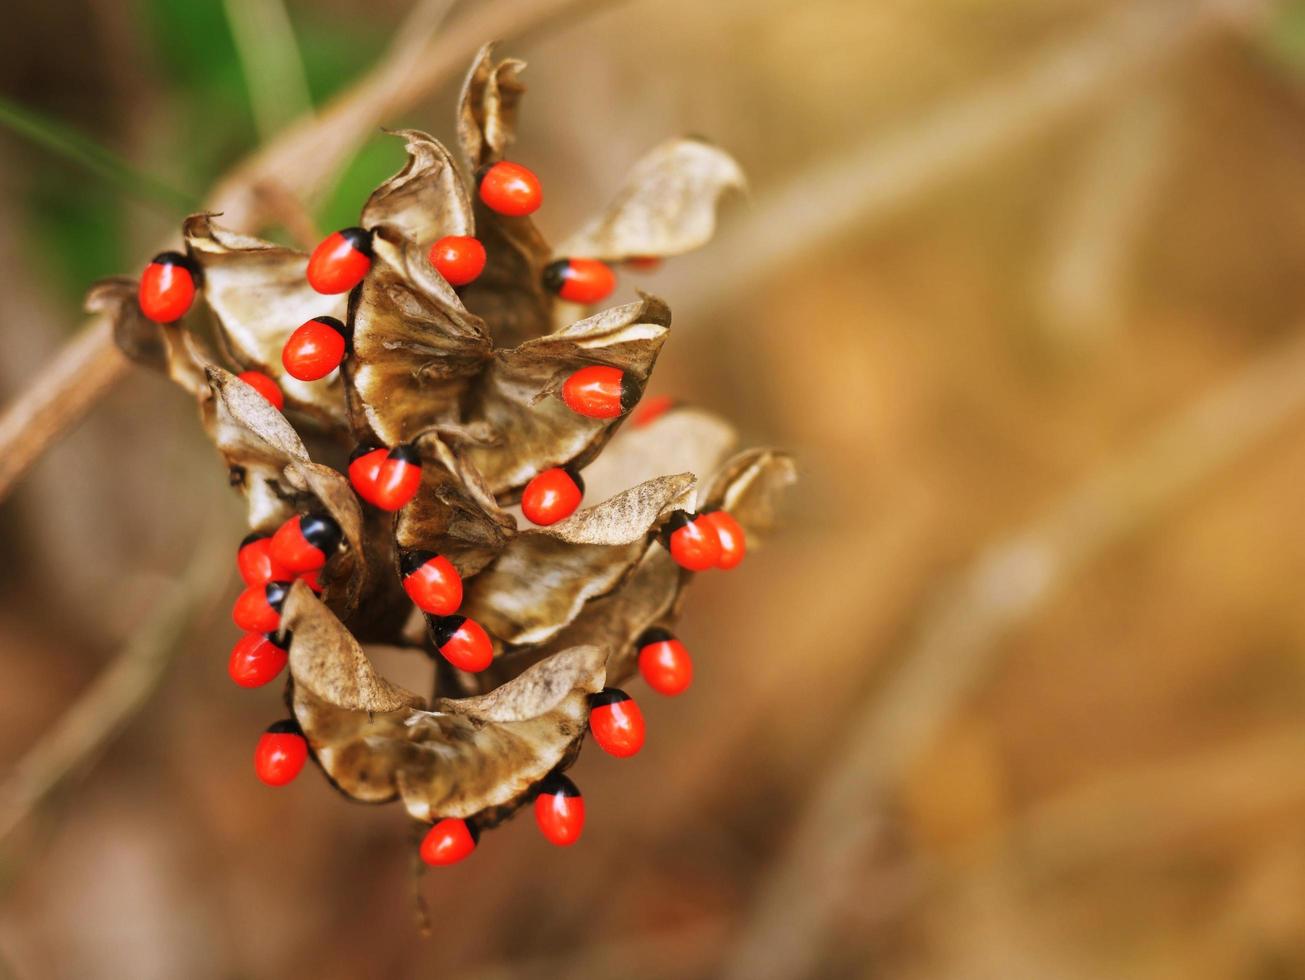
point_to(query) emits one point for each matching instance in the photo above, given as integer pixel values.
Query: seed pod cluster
(438, 358)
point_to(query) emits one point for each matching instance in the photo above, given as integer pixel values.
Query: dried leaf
(509, 295)
(684, 440)
(452, 514)
(166, 347)
(544, 577)
(468, 754)
(259, 295)
(326, 660)
(415, 346)
(667, 205)
(516, 394)
(424, 201)
(749, 486)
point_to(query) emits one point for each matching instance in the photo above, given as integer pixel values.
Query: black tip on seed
(334, 324)
(442, 628)
(678, 520)
(474, 831)
(321, 532)
(555, 275)
(362, 449)
(407, 453)
(631, 392)
(359, 238)
(576, 479)
(653, 635)
(286, 726)
(276, 593)
(410, 561)
(608, 695)
(250, 538)
(281, 641)
(555, 784)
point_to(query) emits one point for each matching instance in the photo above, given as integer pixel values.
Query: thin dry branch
(300, 162)
(117, 694)
(959, 642)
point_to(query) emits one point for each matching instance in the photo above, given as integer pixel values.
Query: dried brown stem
(300, 162)
(959, 642)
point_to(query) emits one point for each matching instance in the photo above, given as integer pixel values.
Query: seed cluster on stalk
(437, 359)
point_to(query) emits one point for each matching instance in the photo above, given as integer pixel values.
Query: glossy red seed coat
(733, 542)
(618, 728)
(550, 497)
(397, 483)
(265, 386)
(252, 611)
(279, 757)
(313, 351)
(256, 564)
(365, 470)
(695, 546)
(336, 266)
(166, 291)
(448, 842)
(436, 587)
(255, 660)
(459, 258)
(651, 409)
(293, 551)
(666, 666)
(594, 392)
(312, 580)
(470, 648)
(511, 189)
(586, 281)
(561, 818)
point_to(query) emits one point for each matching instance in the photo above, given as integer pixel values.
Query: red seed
(693, 542)
(616, 722)
(258, 608)
(733, 542)
(651, 409)
(255, 660)
(664, 663)
(265, 386)
(551, 496)
(341, 261)
(448, 842)
(580, 280)
(560, 811)
(511, 189)
(304, 543)
(458, 258)
(432, 583)
(600, 392)
(167, 287)
(280, 754)
(315, 349)
(255, 561)
(463, 642)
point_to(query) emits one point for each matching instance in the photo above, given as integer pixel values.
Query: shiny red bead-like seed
(255, 660)
(365, 469)
(398, 479)
(664, 663)
(312, 579)
(315, 349)
(616, 722)
(341, 261)
(560, 811)
(304, 543)
(600, 392)
(651, 409)
(460, 259)
(255, 561)
(580, 280)
(448, 842)
(551, 496)
(167, 287)
(643, 263)
(733, 542)
(511, 189)
(280, 754)
(265, 386)
(463, 642)
(432, 583)
(693, 542)
(258, 608)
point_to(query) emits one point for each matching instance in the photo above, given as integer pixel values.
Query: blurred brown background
(1019, 691)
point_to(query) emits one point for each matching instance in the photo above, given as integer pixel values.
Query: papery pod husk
(509, 295)
(544, 577)
(518, 393)
(667, 205)
(452, 514)
(268, 462)
(415, 348)
(426, 200)
(259, 295)
(169, 348)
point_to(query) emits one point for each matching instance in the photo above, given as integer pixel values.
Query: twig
(958, 643)
(300, 161)
(60, 394)
(115, 696)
